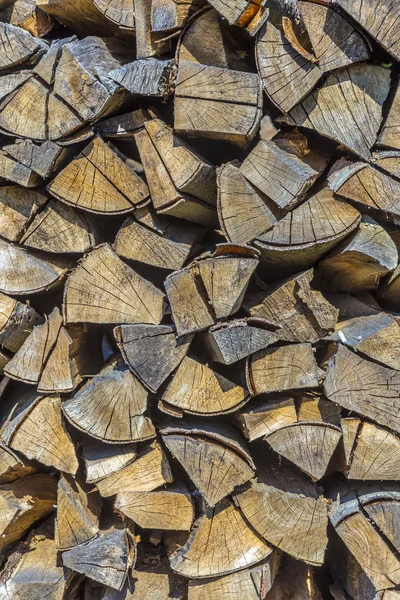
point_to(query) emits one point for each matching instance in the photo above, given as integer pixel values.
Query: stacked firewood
(199, 300)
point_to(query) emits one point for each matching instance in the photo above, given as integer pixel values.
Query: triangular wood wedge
(111, 407)
(99, 181)
(148, 472)
(221, 542)
(286, 509)
(389, 135)
(299, 240)
(325, 112)
(78, 511)
(43, 158)
(310, 446)
(103, 459)
(171, 508)
(352, 381)
(18, 46)
(214, 456)
(106, 559)
(152, 352)
(37, 432)
(289, 367)
(303, 314)
(18, 206)
(17, 321)
(383, 508)
(197, 389)
(103, 289)
(119, 12)
(149, 77)
(12, 466)
(260, 419)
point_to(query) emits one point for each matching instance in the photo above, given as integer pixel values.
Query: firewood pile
(199, 300)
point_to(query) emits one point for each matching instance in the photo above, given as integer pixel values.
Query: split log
(79, 16)
(37, 432)
(391, 127)
(285, 368)
(217, 103)
(103, 289)
(106, 559)
(120, 13)
(99, 181)
(312, 406)
(388, 160)
(295, 580)
(260, 419)
(351, 381)
(18, 47)
(358, 263)
(18, 206)
(304, 235)
(145, 474)
(152, 352)
(243, 13)
(122, 126)
(13, 171)
(375, 336)
(170, 509)
(214, 456)
(102, 459)
(303, 314)
(111, 407)
(146, 77)
(78, 511)
(17, 320)
(11, 81)
(264, 166)
(310, 446)
(12, 466)
(43, 159)
(286, 509)
(220, 543)
(238, 197)
(325, 112)
(199, 390)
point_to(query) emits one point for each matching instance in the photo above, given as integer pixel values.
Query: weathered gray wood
(146, 77)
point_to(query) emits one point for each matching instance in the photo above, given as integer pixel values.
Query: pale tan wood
(10, 82)
(148, 472)
(103, 289)
(18, 206)
(391, 127)
(388, 292)
(17, 321)
(103, 459)
(120, 12)
(350, 427)
(12, 466)
(203, 41)
(383, 510)
(312, 406)
(79, 16)
(286, 368)
(220, 543)
(258, 420)
(26, 14)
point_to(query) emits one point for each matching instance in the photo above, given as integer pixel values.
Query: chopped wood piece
(152, 352)
(18, 46)
(23, 273)
(310, 446)
(37, 432)
(77, 514)
(265, 165)
(299, 240)
(238, 197)
(388, 160)
(258, 420)
(203, 41)
(314, 407)
(106, 559)
(217, 103)
(146, 77)
(343, 121)
(382, 507)
(303, 314)
(18, 206)
(220, 543)
(148, 472)
(102, 460)
(166, 509)
(287, 368)
(111, 407)
(237, 12)
(215, 457)
(10, 170)
(120, 13)
(43, 158)
(197, 389)
(122, 126)
(389, 135)
(17, 321)
(25, 14)
(295, 580)
(12, 466)
(375, 336)
(99, 181)
(379, 19)
(81, 17)
(60, 229)
(103, 289)
(285, 508)
(357, 264)
(351, 381)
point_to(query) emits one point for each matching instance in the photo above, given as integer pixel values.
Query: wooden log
(111, 407)
(146, 77)
(18, 47)
(152, 352)
(214, 456)
(208, 103)
(120, 13)
(260, 419)
(195, 42)
(13, 171)
(352, 380)
(78, 511)
(25, 14)
(312, 406)
(297, 241)
(303, 314)
(103, 459)
(80, 16)
(199, 390)
(98, 181)
(388, 160)
(18, 207)
(220, 543)
(12, 466)
(145, 474)
(170, 509)
(103, 280)
(43, 158)
(285, 508)
(382, 507)
(391, 127)
(122, 126)
(324, 109)
(37, 432)
(17, 321)
(285, 368)
(106, 559)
